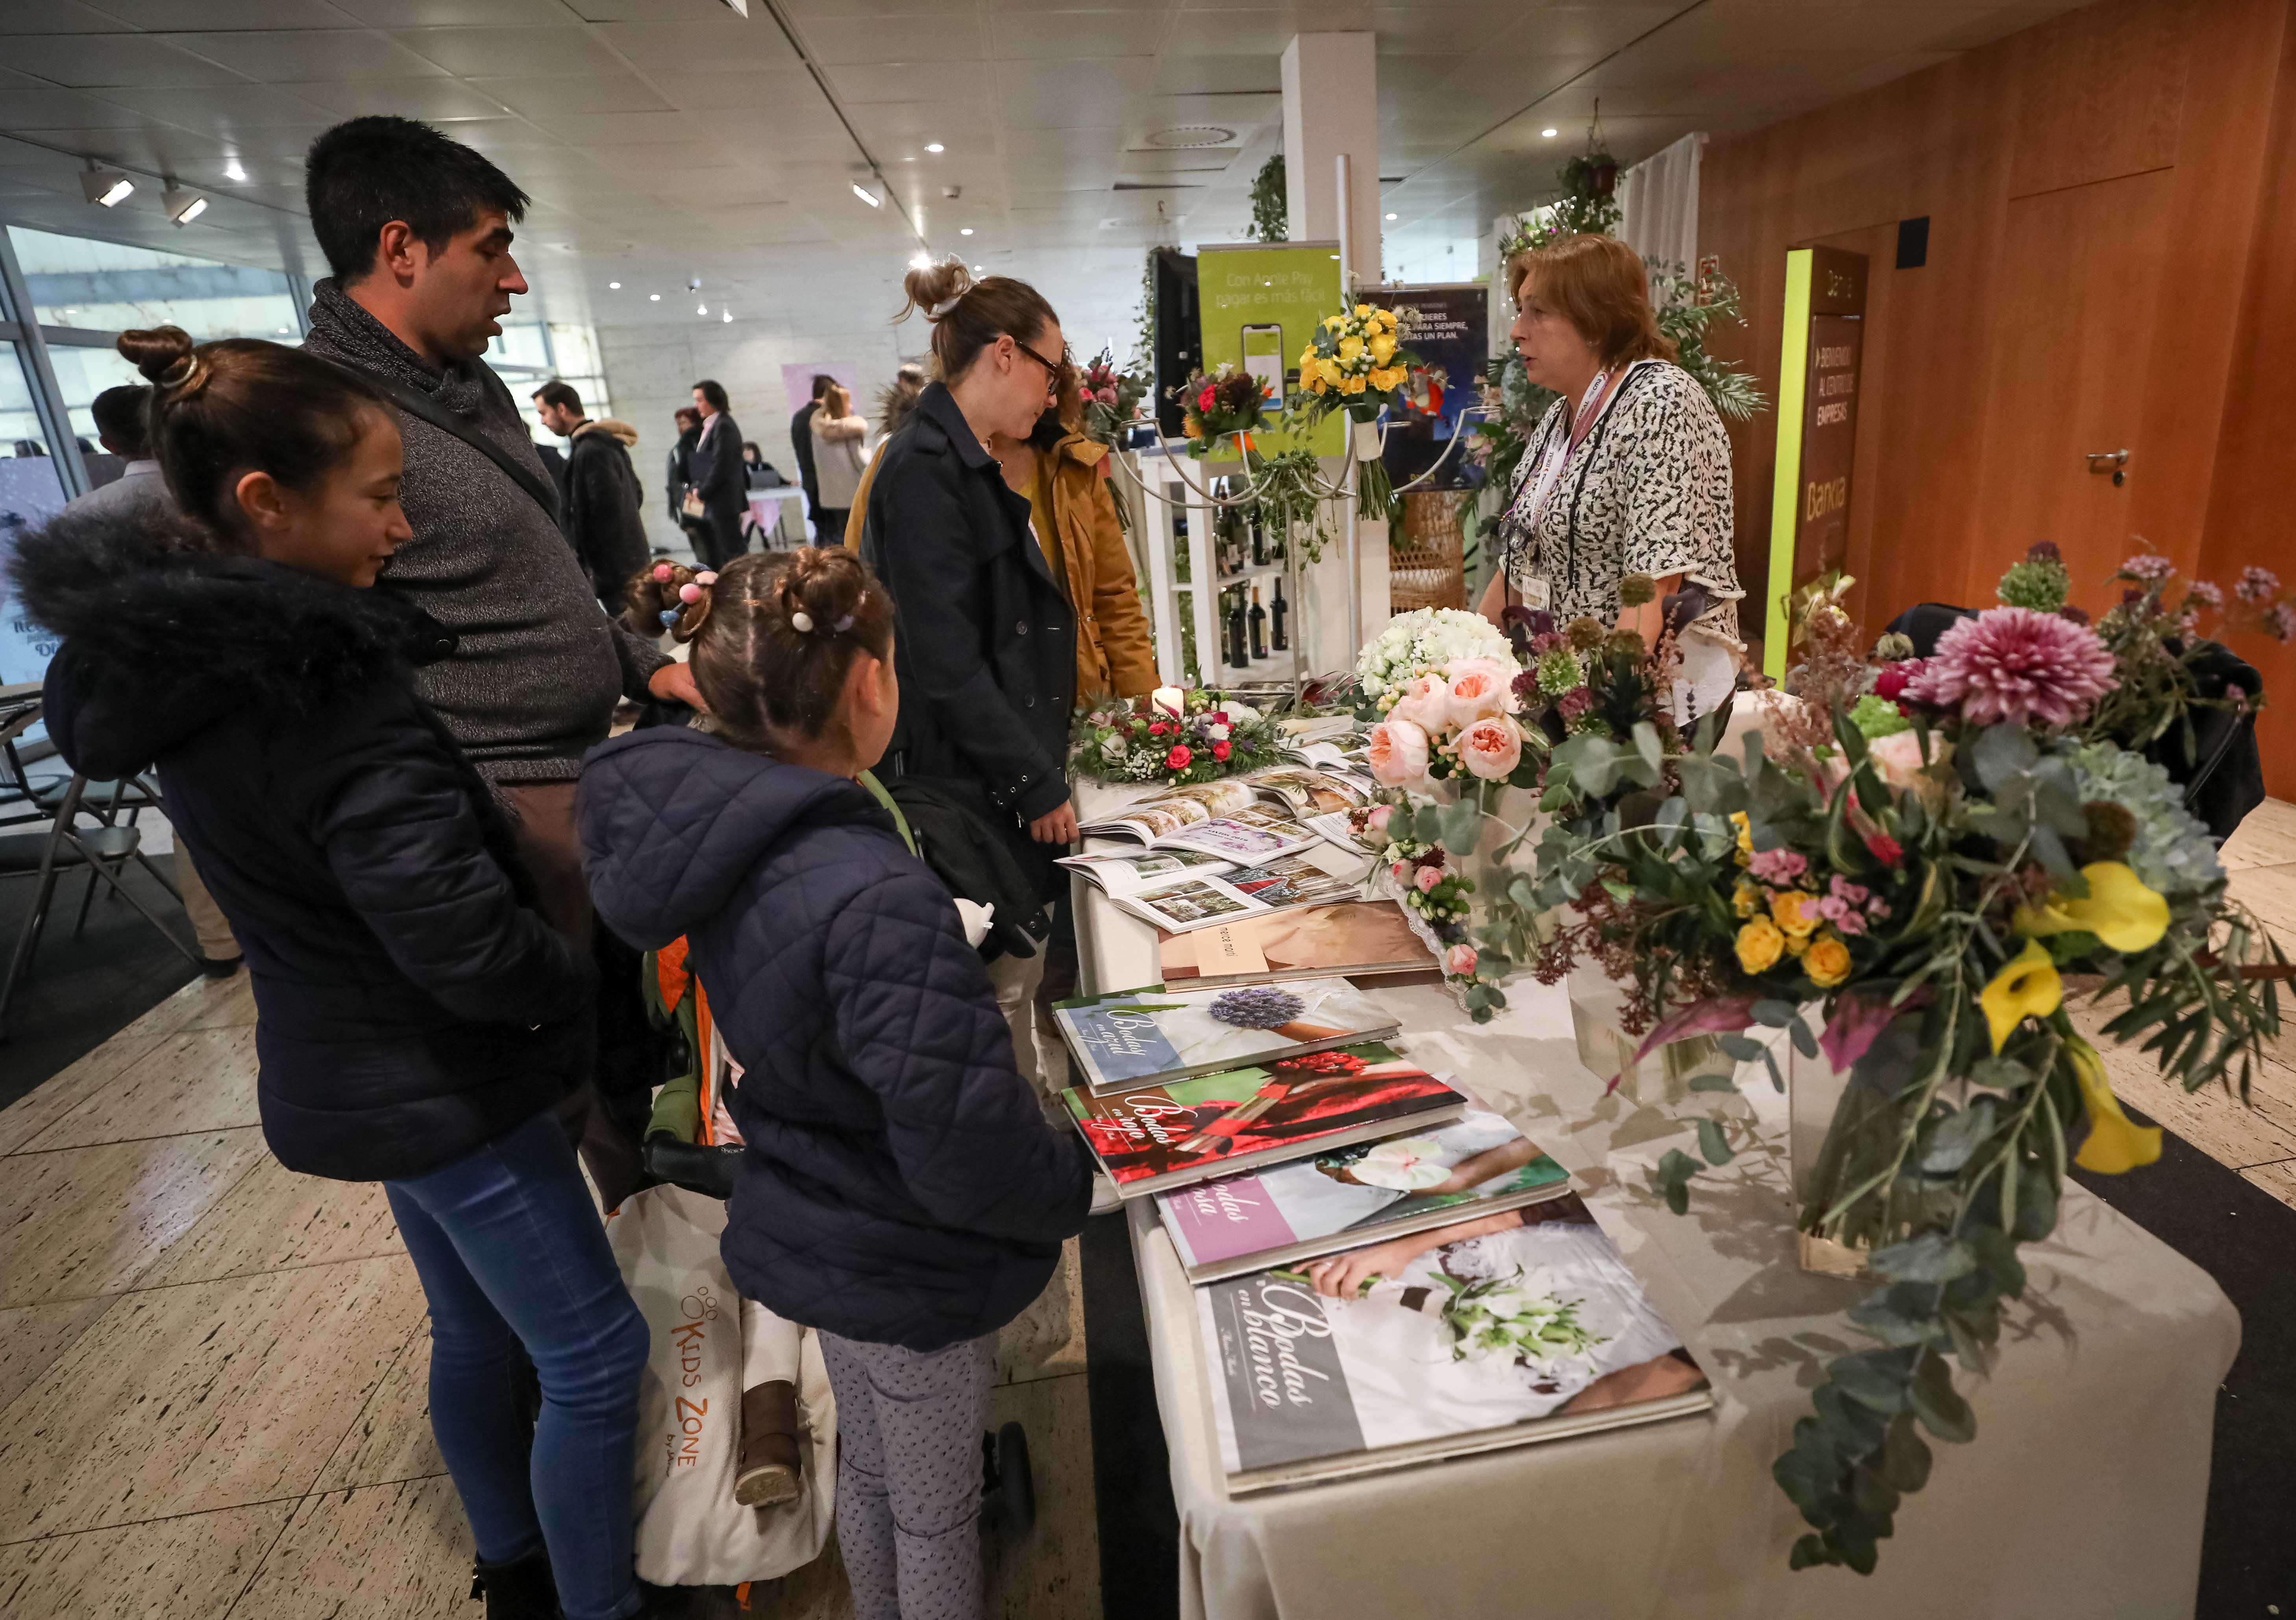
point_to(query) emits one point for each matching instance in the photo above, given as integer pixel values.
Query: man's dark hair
(363, 174)
(715, 392)
(560, 394)
(822, 383)
(119, 420)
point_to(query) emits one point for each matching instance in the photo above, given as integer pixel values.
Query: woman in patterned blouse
(1627, 473)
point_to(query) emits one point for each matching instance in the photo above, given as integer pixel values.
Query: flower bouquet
(1111, 397)
(1355, 362)
(1176, 736)
(1223, 406)
(1901, 873)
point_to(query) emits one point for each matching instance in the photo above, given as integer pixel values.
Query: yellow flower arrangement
(1760, 946)
(2027, 986)
(1826, 961)
(1794, 912)
(1746, 901)
(2117, 908)
(1745, 835)
(1355, 361)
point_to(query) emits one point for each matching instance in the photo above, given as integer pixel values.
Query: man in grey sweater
(417, 229)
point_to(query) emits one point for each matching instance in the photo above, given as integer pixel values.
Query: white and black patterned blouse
(1648, 492)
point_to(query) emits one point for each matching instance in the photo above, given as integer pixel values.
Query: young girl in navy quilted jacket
(899, 1190)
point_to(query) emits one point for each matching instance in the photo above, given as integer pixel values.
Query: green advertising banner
(1259, 303)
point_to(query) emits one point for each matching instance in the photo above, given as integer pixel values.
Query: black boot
(519, 1590)
(1008, 1487)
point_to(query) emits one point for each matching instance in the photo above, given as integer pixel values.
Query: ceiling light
(107, 188)
(1550, 134)
(923, 261)
(726, 315)
(183, 207)
(1390, 216)
(976, 270)
(613, 286)
(232, 171)
(701, 309)
(935, 146)
(967, 230)
(655, 297)
(283, 331)
(867, 196)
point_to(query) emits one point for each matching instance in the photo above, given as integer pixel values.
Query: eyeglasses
(1053, 373)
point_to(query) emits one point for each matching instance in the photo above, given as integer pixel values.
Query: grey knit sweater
(532, 684)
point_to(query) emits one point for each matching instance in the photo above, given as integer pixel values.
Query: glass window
(20, 424)
(82, 374)
(104, 286)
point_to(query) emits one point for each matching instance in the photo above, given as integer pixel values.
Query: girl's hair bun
(164, 354)
(821, 589)
(934, 288)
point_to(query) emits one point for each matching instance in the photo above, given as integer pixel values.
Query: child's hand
(673, 682)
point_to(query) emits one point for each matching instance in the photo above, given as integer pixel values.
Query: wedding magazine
(1203, 899)
(1355, 938)
(1151, 1036)
(1224, 819)
(1172, 1135)
(1116, 874)
(1349, 1197)
(1503, 1330)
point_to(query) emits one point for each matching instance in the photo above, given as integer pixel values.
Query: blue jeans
(511, 1252)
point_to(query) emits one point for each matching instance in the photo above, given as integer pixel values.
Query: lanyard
(1554, 459)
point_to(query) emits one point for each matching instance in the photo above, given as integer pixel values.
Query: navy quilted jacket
(901, 1185)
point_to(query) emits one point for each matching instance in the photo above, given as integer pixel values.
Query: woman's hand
(1346, 1276)
(1055, 826)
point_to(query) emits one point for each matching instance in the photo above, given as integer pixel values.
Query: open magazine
(1191, 1130)
(1227, 819)
(1357, 938)
(1349, 1197)
(1116, 874)
(1506, 1329)
(1203, 899)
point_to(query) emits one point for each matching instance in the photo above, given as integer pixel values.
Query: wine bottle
(1238, 656)
(1275, 637)
(1258, 543)
(1259, 617)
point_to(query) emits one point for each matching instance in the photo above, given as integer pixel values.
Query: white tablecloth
(2081, 1499)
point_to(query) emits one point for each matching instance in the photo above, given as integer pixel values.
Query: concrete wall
(650, 371)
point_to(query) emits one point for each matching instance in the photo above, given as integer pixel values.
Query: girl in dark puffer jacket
(417, 1020)
(899, 1190)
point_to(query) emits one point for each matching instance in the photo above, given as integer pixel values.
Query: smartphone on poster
(1263, 357)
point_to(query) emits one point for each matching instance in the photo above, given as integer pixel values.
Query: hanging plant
(1290, 491)
(1271, 218)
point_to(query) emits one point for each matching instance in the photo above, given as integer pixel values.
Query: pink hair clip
(661, 572)
(689, 592)
(707, 576)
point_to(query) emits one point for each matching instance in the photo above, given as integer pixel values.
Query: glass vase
(1815, 1091)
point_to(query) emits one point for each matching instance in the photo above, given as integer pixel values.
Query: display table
(2083, 1495)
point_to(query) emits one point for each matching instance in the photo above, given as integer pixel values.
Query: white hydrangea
(1428, 638)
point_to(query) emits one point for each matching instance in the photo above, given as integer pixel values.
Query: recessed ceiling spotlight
(923, 261)
(183, 207)
(107, 188)
(726, 315)
(965, 230)
(976, 270)
(654, 297)
(613, 286)
(701, 309)
(867, 196)
(283, 331)
(1390, 216)
(935, 146)
(232, 171)
(1550, 134)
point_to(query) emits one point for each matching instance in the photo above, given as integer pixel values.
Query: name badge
(1534, 592)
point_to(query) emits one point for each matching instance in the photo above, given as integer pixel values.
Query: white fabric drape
(1659, 197)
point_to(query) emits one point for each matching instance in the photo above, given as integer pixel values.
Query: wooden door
(2083, 274)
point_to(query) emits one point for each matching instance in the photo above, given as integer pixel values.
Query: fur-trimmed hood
(613, 427)
(161, 638)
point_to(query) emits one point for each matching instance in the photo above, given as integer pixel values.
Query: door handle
(2114, 462)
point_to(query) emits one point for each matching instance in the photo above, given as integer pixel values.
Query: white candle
(1168, 700)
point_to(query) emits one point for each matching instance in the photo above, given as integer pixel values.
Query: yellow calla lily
(2115, 1142)
(2120, 910)
(2027, 986)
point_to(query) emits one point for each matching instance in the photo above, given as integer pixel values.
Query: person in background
(801, 446)
(417, 229)
(1627, 473)
(757, 471)
(899, 1190)
(119, 427)
(140, 494)
(1064, 476)
(896, 404)
(837, 433)
(601, 491)
(681, 470)
(420, 1018)
(988, 643)
(717, 480)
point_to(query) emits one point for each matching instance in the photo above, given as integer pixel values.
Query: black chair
(105, 849)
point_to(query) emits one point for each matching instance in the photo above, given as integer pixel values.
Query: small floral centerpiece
(1902, 873)
(1355, 362)
(1111, 397)
(1176, 736)
(1218, 407)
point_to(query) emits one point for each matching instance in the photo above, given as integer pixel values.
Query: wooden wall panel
(2252, 512)
(2181, 91)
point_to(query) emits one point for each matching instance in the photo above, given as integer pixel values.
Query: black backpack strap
(419, 404)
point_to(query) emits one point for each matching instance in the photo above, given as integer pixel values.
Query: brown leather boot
(772, 1465)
